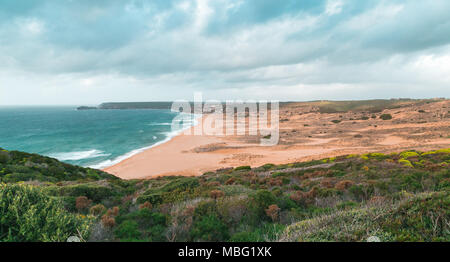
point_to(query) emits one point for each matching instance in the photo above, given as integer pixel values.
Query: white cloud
(87, 82)
(433, 66)
(31, 26)
(334, 7)
(373, 17)
(185, 6)
(203, 13)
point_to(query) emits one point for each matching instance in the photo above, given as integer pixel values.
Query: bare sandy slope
(305, 134)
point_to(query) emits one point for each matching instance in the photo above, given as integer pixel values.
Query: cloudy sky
(88, 52)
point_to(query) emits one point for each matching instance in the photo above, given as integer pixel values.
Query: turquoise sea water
(95, 138)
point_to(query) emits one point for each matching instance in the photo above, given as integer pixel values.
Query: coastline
(109, 163)
(303, 137)
(103, 165)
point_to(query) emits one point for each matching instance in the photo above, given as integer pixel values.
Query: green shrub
(268, 166)
(181, 184)
(259, 202)
(358, 192)
(18, 177)
(246, 236)
(285, 203)
(141, 224)
(27, 214)
(240, 168)
(209, 228)
(377, 156)
(406, 163)
(4, 157)
(154, 199)
(94, 192)
(346, 205)
(144, 217)
(205, 208)
(408, 154)
(279, 174)
(444, 184)
(264, 198)
(386, 117)
(128, 230)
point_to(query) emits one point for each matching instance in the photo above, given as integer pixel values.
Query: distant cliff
(86, 108)
(136, 105)
(147, 105)
(325, 106)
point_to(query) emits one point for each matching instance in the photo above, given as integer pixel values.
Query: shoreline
(130, 154)
(171, 135)
(135, 166)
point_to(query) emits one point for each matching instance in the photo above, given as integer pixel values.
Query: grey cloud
(227, 44)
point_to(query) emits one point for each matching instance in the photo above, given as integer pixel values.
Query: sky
(84, 52)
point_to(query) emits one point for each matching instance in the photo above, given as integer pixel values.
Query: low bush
(209, 228)
(97, 210)
(82, 203)
(406, 163)
(27, 214)
(386, 117)
(246, 168)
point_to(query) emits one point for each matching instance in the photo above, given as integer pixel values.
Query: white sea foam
(79, 155)
(169, 136)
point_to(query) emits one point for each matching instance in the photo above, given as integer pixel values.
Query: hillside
(136, 105)
(396, 197)
(325, 106)
(369, 106)
(147, 105)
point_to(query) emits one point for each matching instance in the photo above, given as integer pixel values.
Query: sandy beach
(305, 134)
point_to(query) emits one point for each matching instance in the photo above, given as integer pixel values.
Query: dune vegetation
(396, 197)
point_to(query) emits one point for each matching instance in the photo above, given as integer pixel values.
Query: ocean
(89, 138)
